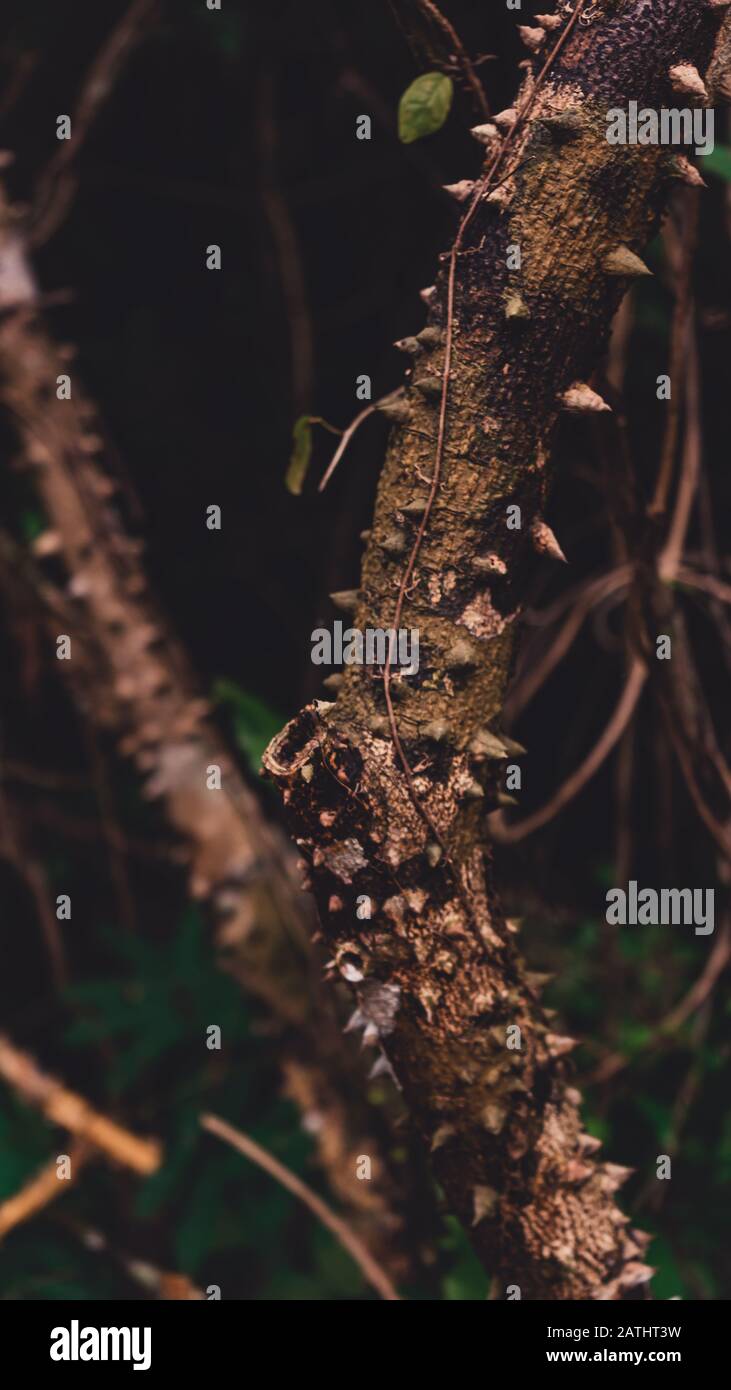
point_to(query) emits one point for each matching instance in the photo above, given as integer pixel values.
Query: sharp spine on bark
(472, 790)
(622, 261)
(433, 854)
(558, 1046)
(436, 729)
(440, 1136)
(502, 196)
(429, 386)
(685, 78)
(460, 654)
(565, 124)
(506, 119)
(617, 1174)
(516, 307)
(532, 38)
(333, 682)
(396, 411)
(427, 294)
(488, 564)
(589, 1144)
(429, 337)
(381, 1067)
(577, 1172)
(486, 133)
(680, 167)
(544, 541)
(552, 21)
(394, 543)
(538, 979)
(346, 600)
(461, 191)
(580, 399)
(484, 1202)
(415, 508)
(486, 744)
(366, 535)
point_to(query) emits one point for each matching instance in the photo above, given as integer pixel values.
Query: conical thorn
(686, 79)
(622, 261)
(580, 399)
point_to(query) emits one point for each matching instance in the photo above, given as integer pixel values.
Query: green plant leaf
(254, 723)
(299, 459)
(464, 1280)
(31, 525)
(718, 162)
(424, 106)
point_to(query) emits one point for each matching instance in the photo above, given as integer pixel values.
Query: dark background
(238, 128)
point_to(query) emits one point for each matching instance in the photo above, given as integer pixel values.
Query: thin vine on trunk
(388, 788)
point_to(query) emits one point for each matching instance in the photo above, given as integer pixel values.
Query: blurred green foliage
(254, 724)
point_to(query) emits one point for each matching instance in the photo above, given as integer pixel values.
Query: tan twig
(671, 554)
(528, 684)
(704, 985)
(348, 433)
(692, 1001)
(685, 761)
(72, 1112)
(682, 319)
(334, 1223)
(164, 1284)
(624, 774)
(706, 583)
(41, 1190)
(57, 184)
(460, 53)
(625, 708)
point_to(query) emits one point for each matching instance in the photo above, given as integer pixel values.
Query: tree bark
(436, 969)
(130, 679)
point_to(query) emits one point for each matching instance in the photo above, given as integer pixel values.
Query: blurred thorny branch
(130, 680)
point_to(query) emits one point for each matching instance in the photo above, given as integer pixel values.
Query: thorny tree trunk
(438, 976)
(130, 678)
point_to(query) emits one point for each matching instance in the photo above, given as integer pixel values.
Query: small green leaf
(299, 460)
(718, 162)
(254, 723)
(424, 106)
(31, 525)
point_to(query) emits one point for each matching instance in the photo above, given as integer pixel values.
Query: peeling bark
(436, 969)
